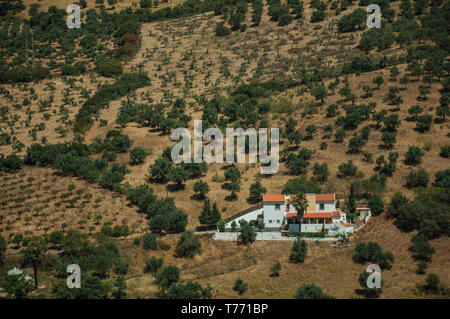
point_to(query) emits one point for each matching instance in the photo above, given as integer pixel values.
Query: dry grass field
(184, 58)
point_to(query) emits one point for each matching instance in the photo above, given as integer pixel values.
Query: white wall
(331, 228)
(329, 207)
(274, 215)
(248, 217)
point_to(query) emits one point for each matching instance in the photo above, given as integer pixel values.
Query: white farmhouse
(277, 212)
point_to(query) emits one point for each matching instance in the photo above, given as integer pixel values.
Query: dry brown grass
(327, 265)
(220, 263)
(34, 205)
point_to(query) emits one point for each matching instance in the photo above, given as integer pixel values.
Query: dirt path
(90, 135)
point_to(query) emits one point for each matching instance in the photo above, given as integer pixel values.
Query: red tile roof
(346, 225)
(291, 215)
(273, 198)
(324, 197)
(280, 198)
(317, 215)
(336, 214)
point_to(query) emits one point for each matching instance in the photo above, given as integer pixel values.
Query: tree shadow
(198, 197)
(175, 187)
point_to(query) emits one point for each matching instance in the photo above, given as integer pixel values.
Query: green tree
(394, 72)
(190, 290)
(421, 267)
(413, 156)
(3, 248)
(149, 241)
(339, 135)
(310, 291)
(376, 205)
(423, 123)
(240, 286)
(300, 202)
(347, 169)
(417, 178)
(319, 92)
(33, 253)
(369, 292)
(355, 144)
(432, 283)
(321, 172)
(247, 233)
(414, 111)
(350, 203)
(388, 139)
(161, 169)
(178, 175)
(221, 30)
(378, 80)
(256, 191)
(137, 155)
(421, 247)
(275, 269)
(201, 188)
(233, 176)
(299, 251)
(17, 284)
(153, 264)
(188, 245)
(166, 277)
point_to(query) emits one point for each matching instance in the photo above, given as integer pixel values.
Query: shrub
(145, 4)
(317, 16)
(3, 248)
(201, 188)
(432, 283)
(418, 178)
(149, 241)
(222, 30)
(10, 163)
(445, 151)
(110, 67)
(275, 269)
(376, 205)
(299, 251)
(188, 245)
(153, 264)
(300, 185)
(372, 252)
(163, 245)
(421, 248)
(121, 267)
(256, 191)
(423, 123)
(137, 155)
(355, 19)
(56, 237)
(421, 267)
(413, 155)
(167, 276)
(310, 291)
(240, 286)
(247, 233)
(347, 169)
